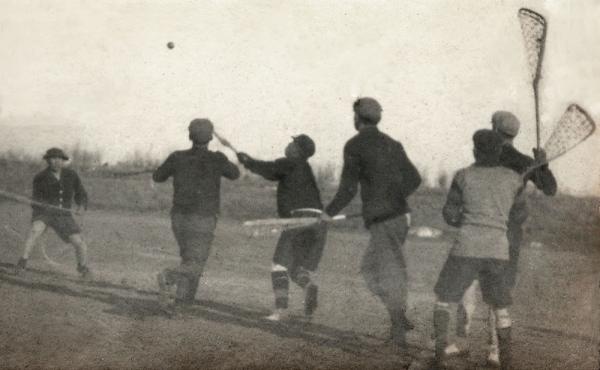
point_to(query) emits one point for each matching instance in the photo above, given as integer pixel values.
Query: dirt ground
(51, 319)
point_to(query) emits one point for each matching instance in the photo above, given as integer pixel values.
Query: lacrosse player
(298, 250)
(57, 187)
(386, 177)
(196, 176)
(507, 126)
(479, 202)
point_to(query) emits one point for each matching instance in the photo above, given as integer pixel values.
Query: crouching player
(298, 250)
(479, 202)
(57, 187)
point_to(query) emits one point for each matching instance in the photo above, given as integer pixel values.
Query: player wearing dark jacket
(298, 250)
(387, 178)
(56, 188)
(196, 176)
(542, 178)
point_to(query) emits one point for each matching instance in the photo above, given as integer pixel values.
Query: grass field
(52, 320)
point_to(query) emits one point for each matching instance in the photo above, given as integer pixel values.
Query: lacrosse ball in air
(170, 44)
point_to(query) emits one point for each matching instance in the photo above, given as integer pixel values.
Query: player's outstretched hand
(243, 158)
(540, 155)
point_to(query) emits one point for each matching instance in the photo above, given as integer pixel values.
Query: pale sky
(265, 70)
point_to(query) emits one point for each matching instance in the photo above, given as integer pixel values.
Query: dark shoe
(20, 266)
(398, 335)
(310, 300)
(398, 339)
(84, 272)
(400, 321)
(436, 364)
(407, 325)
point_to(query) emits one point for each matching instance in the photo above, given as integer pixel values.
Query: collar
(368, 129)
(52, 175)
(198, 148)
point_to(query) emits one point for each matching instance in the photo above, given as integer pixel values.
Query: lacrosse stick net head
(533, 26)
(574, 127)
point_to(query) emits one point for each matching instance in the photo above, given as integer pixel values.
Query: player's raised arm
(165, 170)
(230, 170)
(270, 170)
(543, 178)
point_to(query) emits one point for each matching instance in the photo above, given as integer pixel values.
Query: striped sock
(281, 285)
(441, 317)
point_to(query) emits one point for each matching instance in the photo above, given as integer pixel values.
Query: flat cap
(506, 123)
(368, 109)
(55, 153)
(201, 130)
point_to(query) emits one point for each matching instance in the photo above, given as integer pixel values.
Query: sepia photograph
(301, 184)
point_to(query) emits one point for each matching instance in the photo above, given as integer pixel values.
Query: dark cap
(368, 109)
(306, 145)
(201, 130)
(55, 153)
(506, 123)
(487, 141)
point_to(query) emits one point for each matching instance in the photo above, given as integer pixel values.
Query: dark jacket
(386, 176)
(296, 186)
(196, 179)
(542, 178)
(60, 193)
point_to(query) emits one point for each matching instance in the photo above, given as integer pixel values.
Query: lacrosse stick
(131, 173)
(225, 142)
(574, 127)
(294, 222)
(534, 28)
(25, 200)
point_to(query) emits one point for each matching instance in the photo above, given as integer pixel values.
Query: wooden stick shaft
(225, 142)
(25, 200)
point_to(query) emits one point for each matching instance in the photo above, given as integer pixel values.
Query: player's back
(488, 193)
(382, 174)
(486, 197)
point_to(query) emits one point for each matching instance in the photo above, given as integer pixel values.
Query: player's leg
(307, 261)
(466, 308)
(281, 284)
(455, 277)
(302, 277)
(81, 254)
(199, 235)
(280, 279)
(496, 294)
(67, 229)
(37, 229)
(391, 277)
(515, 238)
(493, 350)
(169, 278)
